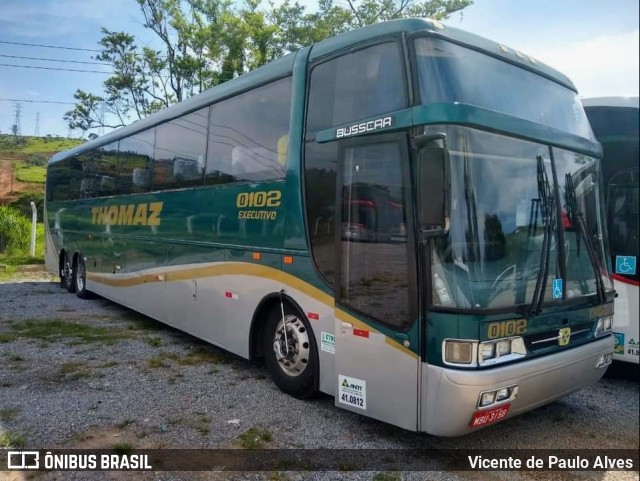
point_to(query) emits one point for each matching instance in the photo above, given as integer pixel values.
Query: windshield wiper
(547, 202)
(577, 220)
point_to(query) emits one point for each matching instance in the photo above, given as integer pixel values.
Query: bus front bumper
(450, 396)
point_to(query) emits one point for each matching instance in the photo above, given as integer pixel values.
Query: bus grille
(544, 340)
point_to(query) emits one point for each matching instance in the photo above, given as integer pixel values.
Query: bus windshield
(451, 73)
(502, 248)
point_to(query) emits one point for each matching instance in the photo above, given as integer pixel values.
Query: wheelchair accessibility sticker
(626, 265)
(619, 343)
(557, 288)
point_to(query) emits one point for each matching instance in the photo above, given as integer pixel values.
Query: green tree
(298, 28)
(207, 42)
(146, 80)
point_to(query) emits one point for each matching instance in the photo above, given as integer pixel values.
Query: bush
(39, 160)
(15, 231)
(23, 204)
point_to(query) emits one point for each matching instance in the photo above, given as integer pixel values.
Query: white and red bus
(615, 123)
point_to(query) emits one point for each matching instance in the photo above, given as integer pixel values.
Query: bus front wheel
(290, 353)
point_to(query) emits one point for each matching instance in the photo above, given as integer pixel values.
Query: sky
(594, 42)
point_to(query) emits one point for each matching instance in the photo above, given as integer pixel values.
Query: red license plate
(482, 418)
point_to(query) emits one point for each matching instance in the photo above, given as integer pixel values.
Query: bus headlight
(605, 326)
(501, 350)
(470, 353)
(459, 351)
(487, 350)
(497, 396)
(487, 398)
(502, 394)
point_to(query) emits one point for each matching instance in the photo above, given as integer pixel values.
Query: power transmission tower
(16, 124)
(37, 130)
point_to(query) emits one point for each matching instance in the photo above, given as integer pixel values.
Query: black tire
(70, 277)
(65, 271)
(80, 278)
(300, 378)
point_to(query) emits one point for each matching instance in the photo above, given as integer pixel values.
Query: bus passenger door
(376, 326)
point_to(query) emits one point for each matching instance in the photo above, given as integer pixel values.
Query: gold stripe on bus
(358, 324)
(240, 268)
(245, 269)
(215, 270)
(124, 281)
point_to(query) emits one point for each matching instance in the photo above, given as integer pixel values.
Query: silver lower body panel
(450, 396)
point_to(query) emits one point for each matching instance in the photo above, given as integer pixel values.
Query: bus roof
(284, 66)
(434, 27)
(631, 102)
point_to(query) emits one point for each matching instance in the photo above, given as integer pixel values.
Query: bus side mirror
(432, 184)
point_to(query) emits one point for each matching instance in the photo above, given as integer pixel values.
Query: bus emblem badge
(564, 336)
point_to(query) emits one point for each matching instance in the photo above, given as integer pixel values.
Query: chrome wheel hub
(291, 347)
(67, 271)
(80, 276)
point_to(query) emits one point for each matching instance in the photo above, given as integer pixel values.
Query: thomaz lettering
(128, 214)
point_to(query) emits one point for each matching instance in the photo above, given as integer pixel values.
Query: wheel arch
(72, 253)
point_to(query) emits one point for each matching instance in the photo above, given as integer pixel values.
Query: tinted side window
(320, 167)
(374, 264)
(90, 182)
(134, 166)
(58, 179)
(50, 182)
(75, 177)
(51, 179)
(356, 86)
(108, 169)
(99, 171)
(63, 179)
(180, 151)
(248, 135)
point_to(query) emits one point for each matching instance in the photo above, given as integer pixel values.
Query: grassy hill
(30, 173)
(23, 164)
(23, 171)
(34, 145)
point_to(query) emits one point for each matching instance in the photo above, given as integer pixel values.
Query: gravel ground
(149, 386)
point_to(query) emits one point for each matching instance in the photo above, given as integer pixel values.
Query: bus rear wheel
(80, 276)
(290, 353)
(66, 273)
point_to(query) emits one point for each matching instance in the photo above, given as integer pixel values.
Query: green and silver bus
(406, 217)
